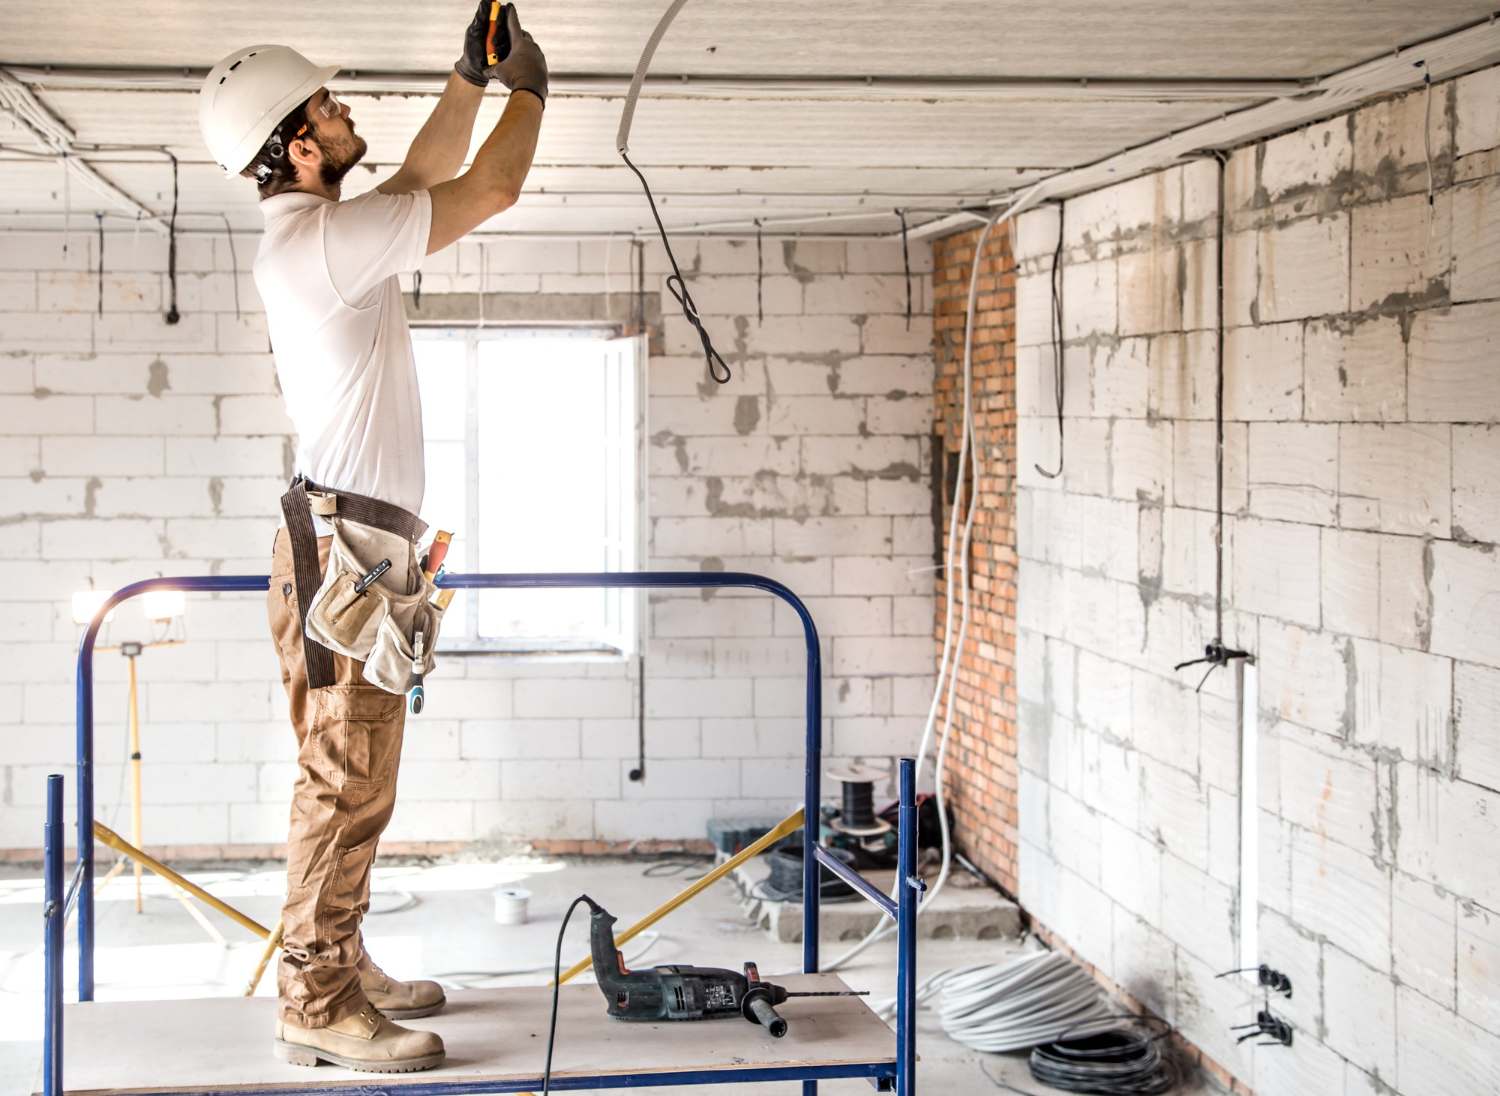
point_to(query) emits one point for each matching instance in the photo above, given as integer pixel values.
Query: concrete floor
(441, 924)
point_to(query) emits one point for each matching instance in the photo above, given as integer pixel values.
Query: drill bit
(829, 993)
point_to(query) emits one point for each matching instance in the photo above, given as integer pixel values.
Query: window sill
(551, 656)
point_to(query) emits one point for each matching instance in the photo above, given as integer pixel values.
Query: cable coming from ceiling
(1057, 343)
(1215, 653)
(957, 560)
(718, 368)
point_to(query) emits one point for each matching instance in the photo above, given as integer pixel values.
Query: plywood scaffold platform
(496, 1041)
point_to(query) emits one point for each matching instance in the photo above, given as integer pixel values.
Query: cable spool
(857, 816)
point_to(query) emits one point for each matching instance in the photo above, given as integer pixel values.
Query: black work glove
(521, 68)
(471, 63)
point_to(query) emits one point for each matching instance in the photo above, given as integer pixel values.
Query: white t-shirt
(326, 272)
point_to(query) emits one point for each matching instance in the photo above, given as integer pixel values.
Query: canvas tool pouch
(377, 626)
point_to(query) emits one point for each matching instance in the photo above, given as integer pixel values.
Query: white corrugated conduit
(957, 562)
(1026, 1001)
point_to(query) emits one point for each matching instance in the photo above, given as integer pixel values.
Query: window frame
(626, 606)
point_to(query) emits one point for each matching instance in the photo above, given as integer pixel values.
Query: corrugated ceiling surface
(713, 158)
(1244, 38)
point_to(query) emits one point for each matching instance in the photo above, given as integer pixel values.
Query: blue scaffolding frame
(884, 1075)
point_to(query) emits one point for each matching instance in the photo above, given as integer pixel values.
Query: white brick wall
(1361, 462)
(130, 449)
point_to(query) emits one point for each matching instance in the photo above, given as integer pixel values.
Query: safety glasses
(329, 106)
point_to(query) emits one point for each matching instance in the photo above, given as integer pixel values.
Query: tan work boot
(398, 1000)
(366, 1042)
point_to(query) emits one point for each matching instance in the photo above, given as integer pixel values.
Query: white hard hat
(246, 96)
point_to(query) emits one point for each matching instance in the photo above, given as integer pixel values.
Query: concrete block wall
(129, 448)
(1362, 444)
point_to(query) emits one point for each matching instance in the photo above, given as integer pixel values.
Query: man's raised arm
(493, 182)
(438, 151)
(440, 146)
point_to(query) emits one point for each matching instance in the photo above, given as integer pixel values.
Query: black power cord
(1057, 343)
(718, 368)
(1216, 653)
(557, 985)
(172, 315)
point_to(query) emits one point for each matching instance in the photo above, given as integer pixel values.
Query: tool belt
(387, 622)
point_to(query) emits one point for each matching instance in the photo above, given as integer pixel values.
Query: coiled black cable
(784, 884)
(1121, 1061)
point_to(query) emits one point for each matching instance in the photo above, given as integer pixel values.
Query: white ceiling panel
(713, 132)
(1243, 38)
(713, 156)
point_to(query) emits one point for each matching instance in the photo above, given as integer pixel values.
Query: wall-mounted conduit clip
(1277, 1031)
(1216, 655)
(1269, 979)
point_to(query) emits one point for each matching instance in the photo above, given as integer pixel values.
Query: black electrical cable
(1219, 418)
(1215, 653)
(638, 261)
(1120, 1061)
(678, 288)
(99, 224)
(906, 262)
(234, 263)
(1057, 343)
(638, 773)
(172, 315)
(760, 272)
(557, 985)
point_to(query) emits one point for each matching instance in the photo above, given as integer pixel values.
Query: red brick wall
(981, 767)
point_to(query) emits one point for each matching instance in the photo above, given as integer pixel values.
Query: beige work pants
(348, 751)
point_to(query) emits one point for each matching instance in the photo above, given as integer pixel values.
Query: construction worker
(327, 272)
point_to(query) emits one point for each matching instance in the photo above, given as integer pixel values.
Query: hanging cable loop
(718, 368)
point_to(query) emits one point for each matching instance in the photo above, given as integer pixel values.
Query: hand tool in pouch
(372, 576)
(416, 695)
(437, 551)
(685, 992)
(432, 564)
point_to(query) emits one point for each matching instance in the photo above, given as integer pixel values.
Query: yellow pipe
(135, 776)
(790, 824)
(272, 943)
(119, 844)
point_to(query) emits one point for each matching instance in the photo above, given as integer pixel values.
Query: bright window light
(533, 442)
(164, 604)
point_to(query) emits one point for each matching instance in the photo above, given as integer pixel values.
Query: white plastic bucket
(510, 905)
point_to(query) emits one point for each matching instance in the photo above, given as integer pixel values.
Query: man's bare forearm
(505, 157)
(438, 151)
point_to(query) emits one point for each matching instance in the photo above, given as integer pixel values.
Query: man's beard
(339, 158)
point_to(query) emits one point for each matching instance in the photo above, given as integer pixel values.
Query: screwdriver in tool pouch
(416, 696)
(372, 576)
